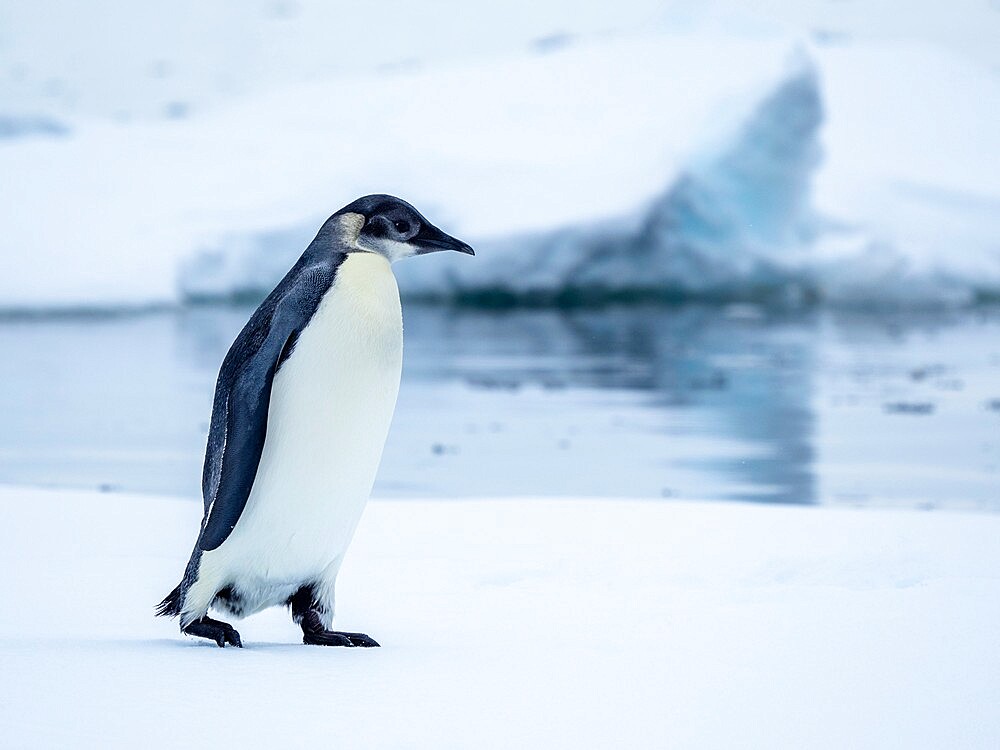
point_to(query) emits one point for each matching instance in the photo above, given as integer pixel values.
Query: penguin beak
(430, 239)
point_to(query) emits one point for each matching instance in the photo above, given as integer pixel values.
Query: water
(708, 403)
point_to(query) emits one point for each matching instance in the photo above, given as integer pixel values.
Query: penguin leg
(306, 611)
(220, 632)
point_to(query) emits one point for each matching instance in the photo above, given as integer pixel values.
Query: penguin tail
(171, 605)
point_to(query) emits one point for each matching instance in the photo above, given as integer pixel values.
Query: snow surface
(517, 623)
(842, 151)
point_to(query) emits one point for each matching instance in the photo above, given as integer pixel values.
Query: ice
(517, 622)
(723, 228)
(913, 133)
(114, 211)
(688, 151)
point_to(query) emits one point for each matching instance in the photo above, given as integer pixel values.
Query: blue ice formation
(735, 224)
(726, 228)
(716, 230)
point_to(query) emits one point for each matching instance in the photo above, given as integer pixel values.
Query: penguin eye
(402, 226)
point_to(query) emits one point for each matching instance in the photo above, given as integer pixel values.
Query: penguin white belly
(331, 405)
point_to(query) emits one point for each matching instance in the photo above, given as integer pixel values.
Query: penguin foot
(314, 634)
(220, 632)
(336, 638)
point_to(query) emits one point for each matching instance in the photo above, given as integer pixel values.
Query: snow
(110, 212)
(845, 152)
(518, 622)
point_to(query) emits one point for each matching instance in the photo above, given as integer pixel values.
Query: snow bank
(519, 144)
(527, 623)
(681, 155)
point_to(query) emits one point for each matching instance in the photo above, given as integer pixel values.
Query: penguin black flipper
(246, 430)
(243, 393)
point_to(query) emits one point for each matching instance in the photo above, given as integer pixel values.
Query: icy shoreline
(518, 622)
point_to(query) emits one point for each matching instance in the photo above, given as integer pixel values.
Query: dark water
(688, 402)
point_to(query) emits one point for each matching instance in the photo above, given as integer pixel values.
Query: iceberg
(739, 221)
(653, 165)
(722, 229)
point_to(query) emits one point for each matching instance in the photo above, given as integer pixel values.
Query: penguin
(301, 412)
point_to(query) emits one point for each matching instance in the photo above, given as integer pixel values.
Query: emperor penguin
(301, 412)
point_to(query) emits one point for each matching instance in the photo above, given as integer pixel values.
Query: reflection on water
(677, 402)
(688, 402)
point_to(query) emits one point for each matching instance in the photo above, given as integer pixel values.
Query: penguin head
(393, 228)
